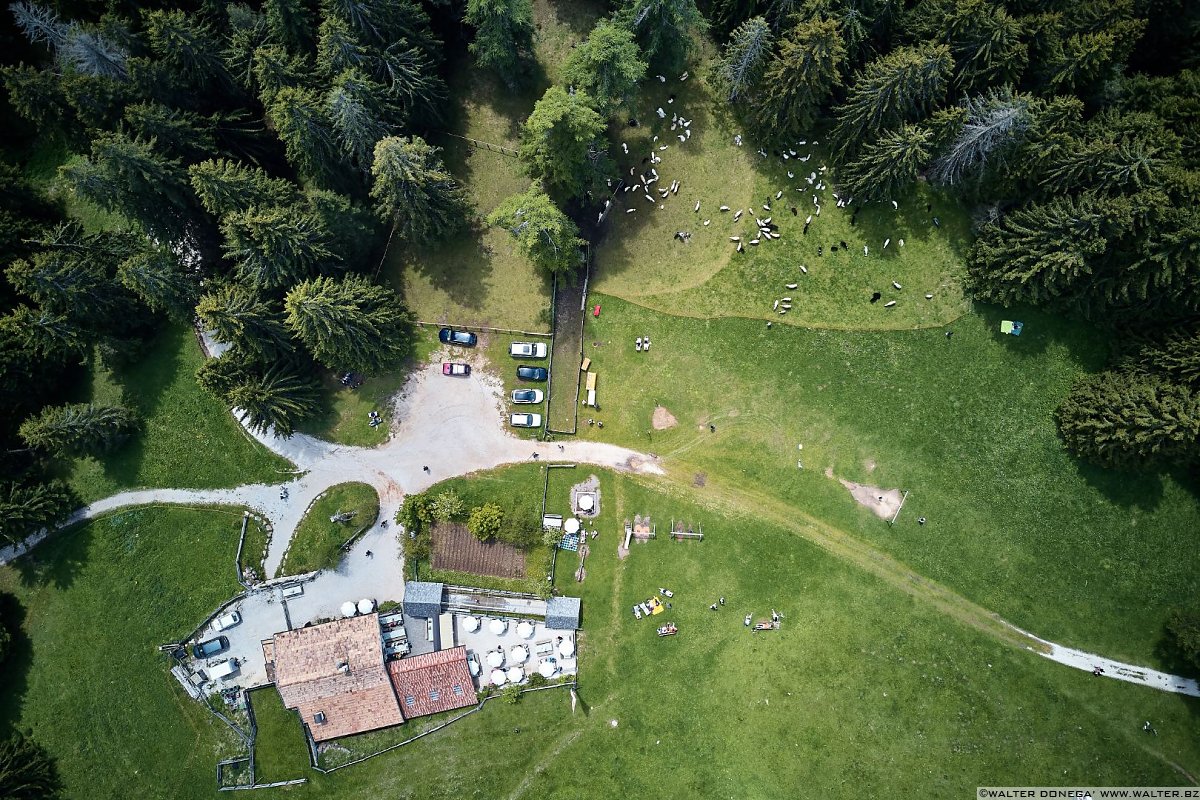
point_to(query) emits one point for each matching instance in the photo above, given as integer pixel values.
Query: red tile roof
(432, 683)
(336, 670)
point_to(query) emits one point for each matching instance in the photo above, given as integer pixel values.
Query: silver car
(527, 350)
(526, 420)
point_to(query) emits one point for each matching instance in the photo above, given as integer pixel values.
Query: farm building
(562, 613)
(334, 676)
(423, 599)
(432, 683)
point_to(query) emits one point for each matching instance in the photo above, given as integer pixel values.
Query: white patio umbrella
(349, 609)
(498, 677)
(518, 654)
(471, 623)
(495, 658)
(567, 648)
(546, 668)
(586, 502)
(366, 605)
(516, 675)
(571, 525)
(524, 630)
(498, 626)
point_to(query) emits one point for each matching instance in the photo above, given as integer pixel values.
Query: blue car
(460, 338)
(532, 373)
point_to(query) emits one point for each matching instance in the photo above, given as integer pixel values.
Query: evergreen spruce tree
(278, 398)
(903, 86)
(358, 113)
(182, 135)
(799, 79)
(307, 135)
(503, 36)
(741, 66)
(1125, 420)
(663, 28)
(888, 168)
(78, 429)
(44, 333)
(350, 324)
(224, 187)
(288, 22)
(275, 247)
(130, 177)
(188, 46)
(607, 66)
(561, 143)
(27, 771)
(160, 281)
(412, 188)
(239, 318)
(547, 236)
(26, 509)
(995, 124)
(274, 69)
(987, 43)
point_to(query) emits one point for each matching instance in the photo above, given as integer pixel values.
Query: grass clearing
(1084, 557)
(280, 753)
(478, 277)
(254, 548)
(318, 541)
(94, 604)
(641, 260)
(188, 440)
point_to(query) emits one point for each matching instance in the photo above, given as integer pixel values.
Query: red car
(455, 368)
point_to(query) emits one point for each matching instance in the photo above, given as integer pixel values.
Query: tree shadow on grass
(1140, 490)
(144, 387)
(14, 671)
(1043, 328)
(459, 266)
(57, 561)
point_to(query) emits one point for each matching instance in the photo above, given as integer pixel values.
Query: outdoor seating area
(511, 650)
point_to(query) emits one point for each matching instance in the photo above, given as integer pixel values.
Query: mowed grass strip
(318, 540)
(188, 438)
(641, 259)
(1078, 555)
(93, 605)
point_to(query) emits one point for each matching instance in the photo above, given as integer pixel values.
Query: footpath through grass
(1077, 555)
(318, 540)
(862, 680)
(188, 439)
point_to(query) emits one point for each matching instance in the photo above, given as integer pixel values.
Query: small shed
(562, 613)
(423, 599)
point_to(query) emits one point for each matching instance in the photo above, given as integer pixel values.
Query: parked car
(210, 648)
(473, 664)
(228, 621)
(455, 368)
(526, 420)
(460, 338)
(527, 349)
(532, 373)
(527, 395)
(225, 669)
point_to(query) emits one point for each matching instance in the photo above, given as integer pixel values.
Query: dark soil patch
(454, 548)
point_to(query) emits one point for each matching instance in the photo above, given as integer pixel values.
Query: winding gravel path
(454, 426)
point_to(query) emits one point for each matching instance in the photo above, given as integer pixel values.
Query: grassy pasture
(317, 543)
